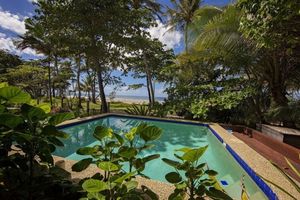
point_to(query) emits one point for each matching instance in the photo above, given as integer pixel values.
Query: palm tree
(34, 38)
(188, 16)
(151, 5)
(87, 86)
(263, 66)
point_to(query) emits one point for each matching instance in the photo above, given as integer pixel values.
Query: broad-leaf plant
(198, 181)
(28, 137)
(118, 156)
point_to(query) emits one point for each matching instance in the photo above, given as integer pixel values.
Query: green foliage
(142, 110)
(113, 153)
(182, 15)
(27, 140)
(157, 110)
(32, 79)
(220, 100)
(271, 23)
(199, 181)
(8, 61)
(289, 113)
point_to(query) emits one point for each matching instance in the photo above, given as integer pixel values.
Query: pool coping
(225, 139)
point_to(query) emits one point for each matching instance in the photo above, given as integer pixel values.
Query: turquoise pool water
(175, 136)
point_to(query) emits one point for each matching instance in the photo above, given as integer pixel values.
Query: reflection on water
(175, 136)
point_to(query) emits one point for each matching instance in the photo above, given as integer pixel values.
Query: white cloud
(170, 38)
(12, 22)
(32, 1)
(7, 43)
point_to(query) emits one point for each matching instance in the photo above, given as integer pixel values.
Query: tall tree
(109, 27)
(275, 66)
(39, 37)
(184, 13)
(274, 27)
(148, 63)
(32, 79)
(8, 61)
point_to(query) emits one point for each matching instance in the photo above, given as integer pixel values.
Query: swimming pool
(175, 136)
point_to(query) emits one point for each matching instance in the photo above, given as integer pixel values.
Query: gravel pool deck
(257, 162)
(163, 190)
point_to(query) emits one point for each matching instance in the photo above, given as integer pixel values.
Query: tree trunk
(186, 37)
(94, 89)
(279, 95)
(104, 108)
(56, 72)
(53, 90)
(78, 82)
(49, 84)
(150, 89)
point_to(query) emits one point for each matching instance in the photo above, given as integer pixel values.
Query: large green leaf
(33, 113)
(127, 152)
(184, 149)
(3, 84)
(151, 133)
(211, 172)
(108, 166)
(86, 151)
(102, 132)
(14, 95)
(93, 185)
(131, 134)
(172, 163)
(173, 177)
(130, 185)
(45, 107)
(53, 131)
(150, 157)
(217, 194)
(82, 165)
(56, 141)
(119, 138)
(194, 154)
(10, 120)
(124, 177)
(61, 117)
(141, 128)
(94, 196)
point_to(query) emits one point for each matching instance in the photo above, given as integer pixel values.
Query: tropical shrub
(28, 137)
(157, 110)
(289, 115)
(113, 155)
(199, 181)
(142, 110)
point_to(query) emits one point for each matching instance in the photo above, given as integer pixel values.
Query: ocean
(140, 98)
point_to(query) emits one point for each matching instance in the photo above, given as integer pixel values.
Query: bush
(28, 137)
(111, 155)
(200, 181)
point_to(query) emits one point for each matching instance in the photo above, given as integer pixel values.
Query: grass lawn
(114, 106)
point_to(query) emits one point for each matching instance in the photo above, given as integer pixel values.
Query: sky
(14, 12)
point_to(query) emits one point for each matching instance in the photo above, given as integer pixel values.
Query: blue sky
(13, 13)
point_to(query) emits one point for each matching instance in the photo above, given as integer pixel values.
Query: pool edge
(259, 182)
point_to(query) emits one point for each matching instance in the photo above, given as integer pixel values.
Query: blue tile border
(132, 117)
(260, 183)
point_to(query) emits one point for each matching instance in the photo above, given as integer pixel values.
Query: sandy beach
(129, 101)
